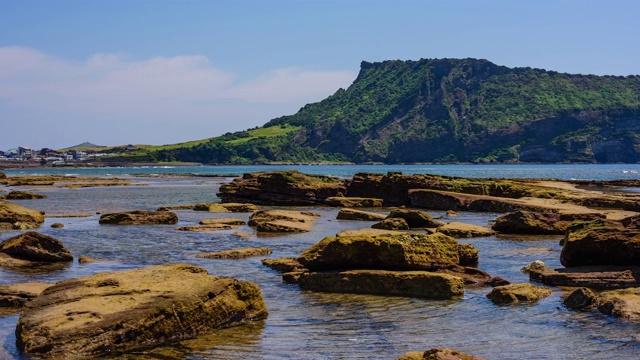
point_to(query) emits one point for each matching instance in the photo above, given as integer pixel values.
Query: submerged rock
(119, 312)
(420, 284)
(210, 207)
(235, 254)
(463, 230)
(14, 216)
(23, 195)
(240, 207)
(518, 293)
(140, 217)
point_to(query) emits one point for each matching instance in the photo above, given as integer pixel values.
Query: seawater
(546, 171)
(308, 325)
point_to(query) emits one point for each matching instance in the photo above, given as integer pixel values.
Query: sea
(311, 325)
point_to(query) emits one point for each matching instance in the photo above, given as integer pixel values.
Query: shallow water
(306, 325)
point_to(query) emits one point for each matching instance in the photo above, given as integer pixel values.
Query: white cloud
(125, 93)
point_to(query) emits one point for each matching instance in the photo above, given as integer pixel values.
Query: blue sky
(158, 72)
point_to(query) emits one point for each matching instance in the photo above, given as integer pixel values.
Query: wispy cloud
(187, 88)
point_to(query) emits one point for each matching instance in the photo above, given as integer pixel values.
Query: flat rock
(384, 252)
(35, 247)
(437, 354)
(287, 187)
(538, 223)
(463, 230)
(235, 254)
(140, 217)
(419, 284)
(240, 207)
(14, 296)
(370, 232)
(210, 207)
(594, 277)
(351, 214)
(415, 218)
(518, 293)
(282, 221)
(119, 312)
(353, 201)
(205, 228)
(14, 216)
(176, 207)
(224, 221)
(284, 265)
(23, 195)
(623, 303)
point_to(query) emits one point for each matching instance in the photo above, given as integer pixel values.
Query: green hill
(446, 110)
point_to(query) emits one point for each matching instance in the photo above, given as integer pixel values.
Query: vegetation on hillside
(445, 110)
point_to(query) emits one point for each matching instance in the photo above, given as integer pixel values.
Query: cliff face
(451, 110)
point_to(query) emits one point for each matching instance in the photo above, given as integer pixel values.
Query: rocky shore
(405, 252)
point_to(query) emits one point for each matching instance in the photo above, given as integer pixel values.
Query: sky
(116, 72)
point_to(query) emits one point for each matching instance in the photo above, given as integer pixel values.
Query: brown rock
(282, 188)
(36, 247)
(415, 218)
(437, 354)
(420, 284)
(353, 201)
(224, 221)
(370, 232)
(468, 255)
(120, 312)
(210, 207)
(601, 242)
(14, 216)
(518, 293)
(57, 225)
(14, 296)
(579, 299)
(351, 214)
(391, 224)
(176, 207)
(284, 265)
(86, 260)
(594, 277)
(23, 195)
(463, 230)
(282, 221)
(240, 208)
(235, 254)
(140, 217)
(242, 234)
(536, 223)
(387, 252)
(204, 228)
(623, 303)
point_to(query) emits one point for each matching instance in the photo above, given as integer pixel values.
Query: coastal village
(23, 155)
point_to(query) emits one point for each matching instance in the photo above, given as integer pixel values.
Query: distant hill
(445, 110)
(84, 146)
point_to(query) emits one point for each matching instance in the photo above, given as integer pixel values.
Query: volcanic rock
(119, 312)
(140, 217)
